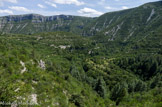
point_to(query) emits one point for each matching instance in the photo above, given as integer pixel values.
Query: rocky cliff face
(34, 23)
(35, 17)
(127, 24)
(121, 25)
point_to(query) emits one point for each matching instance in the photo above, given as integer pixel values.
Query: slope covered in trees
(64, 69)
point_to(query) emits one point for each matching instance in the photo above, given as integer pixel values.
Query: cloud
(6, 11)
(110, 8)
(89, 12)
(17, 8)
(75, 2)
(115, 9)
(11, 1)
(125, 7)
(51, 4)
(41, 6)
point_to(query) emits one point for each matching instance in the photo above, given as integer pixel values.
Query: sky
(89, 8)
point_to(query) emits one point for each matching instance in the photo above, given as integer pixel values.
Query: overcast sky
(90, 8)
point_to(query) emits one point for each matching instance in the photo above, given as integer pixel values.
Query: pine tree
(101, 87)
(119, 92)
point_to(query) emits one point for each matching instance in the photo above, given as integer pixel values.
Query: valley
(114, 60)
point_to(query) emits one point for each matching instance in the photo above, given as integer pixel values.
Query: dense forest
(65, 69)
(70, 70)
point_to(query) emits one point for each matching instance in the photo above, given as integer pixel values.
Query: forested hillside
(62, 69)
(113, 60)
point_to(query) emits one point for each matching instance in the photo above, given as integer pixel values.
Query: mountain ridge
(109, 24)
(34, 23)
(114, 60)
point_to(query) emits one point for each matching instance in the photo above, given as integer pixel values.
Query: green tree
(119, 92)
(101, 87)
(78, 100)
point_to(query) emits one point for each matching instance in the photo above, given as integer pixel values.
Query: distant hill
(114, 60)
(126, 24)
(136, 27)
(34, 23)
